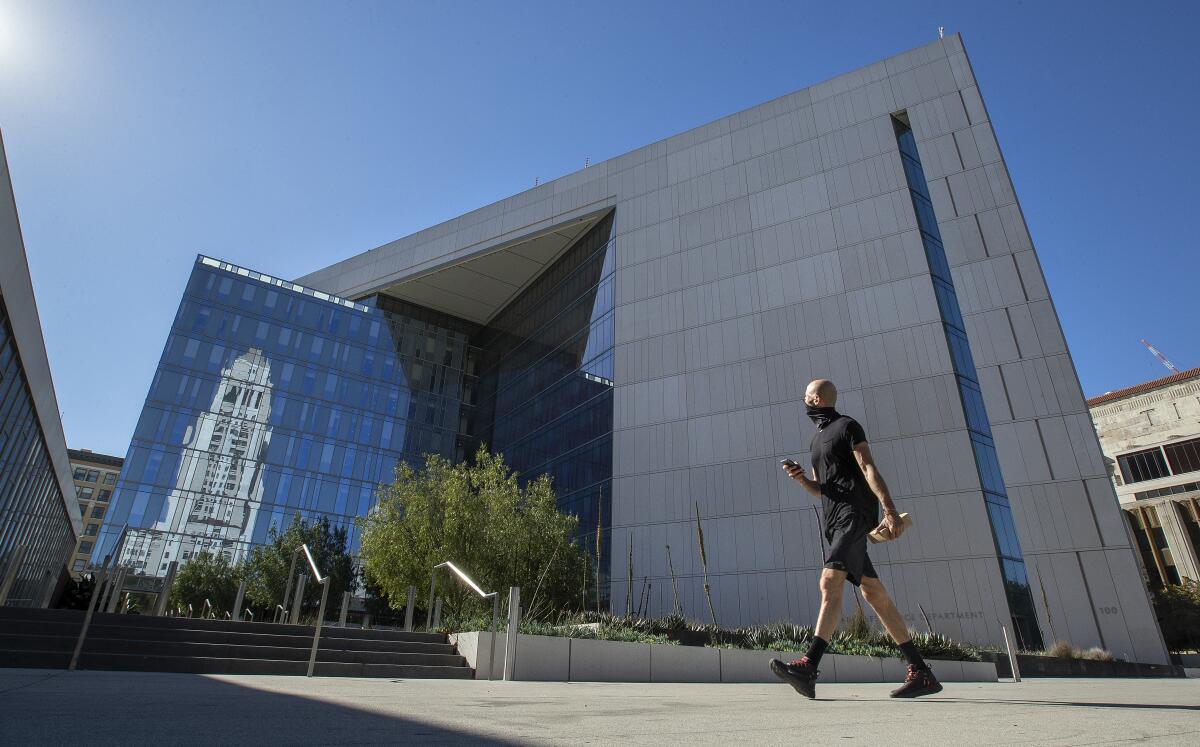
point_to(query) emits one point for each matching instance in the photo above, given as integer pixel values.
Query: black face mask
(822, 416)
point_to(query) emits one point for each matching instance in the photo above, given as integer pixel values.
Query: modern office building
(1150, 436)
(39, 517)
(643, 330)
(95, 477)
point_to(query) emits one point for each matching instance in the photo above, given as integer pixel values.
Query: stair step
(185, 648)
(190, 623)
(330, 638)
(217, 665)
(47, 638)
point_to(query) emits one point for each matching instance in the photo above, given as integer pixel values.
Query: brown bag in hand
(883, 534)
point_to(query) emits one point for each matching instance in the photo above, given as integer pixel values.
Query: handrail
(466, 579)
(494, 596)
(324, 582)
(313, 564)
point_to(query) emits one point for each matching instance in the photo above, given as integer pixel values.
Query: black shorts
(847, 537)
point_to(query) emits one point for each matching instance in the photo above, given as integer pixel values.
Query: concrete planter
(555, 659)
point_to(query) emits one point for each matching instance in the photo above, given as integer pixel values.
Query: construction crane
(1161, 358)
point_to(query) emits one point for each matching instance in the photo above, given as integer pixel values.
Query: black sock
(911, 654)
(816, 649)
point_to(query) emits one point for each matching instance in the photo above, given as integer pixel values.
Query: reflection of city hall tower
(219, 485)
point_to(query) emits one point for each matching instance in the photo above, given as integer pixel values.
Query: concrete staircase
(46, 638)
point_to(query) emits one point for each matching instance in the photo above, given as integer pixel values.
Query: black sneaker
(918, 682)
(800, 674)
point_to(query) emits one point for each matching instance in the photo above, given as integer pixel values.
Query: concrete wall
(777, 245)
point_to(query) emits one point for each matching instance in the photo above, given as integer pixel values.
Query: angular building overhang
(477, 288)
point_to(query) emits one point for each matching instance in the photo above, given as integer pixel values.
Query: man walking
(845, 476)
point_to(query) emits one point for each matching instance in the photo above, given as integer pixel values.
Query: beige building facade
(95, 477)
(1150, 436)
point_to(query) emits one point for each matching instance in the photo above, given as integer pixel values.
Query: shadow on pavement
(152, 708)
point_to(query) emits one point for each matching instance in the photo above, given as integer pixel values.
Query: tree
(478, 516)
(266, 569)
(205, 576)
(1178, 610)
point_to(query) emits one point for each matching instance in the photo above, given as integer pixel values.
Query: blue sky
(286, 135)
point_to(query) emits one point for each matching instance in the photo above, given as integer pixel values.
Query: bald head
(820, 393)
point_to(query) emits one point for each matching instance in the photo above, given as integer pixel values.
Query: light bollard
(408, 609)
(114, 592)
(164, 596)
(237, 602)
(1012, 656)
(514, 623)
(51, 585)
(15, 561)
(287, 591)
(300, 582)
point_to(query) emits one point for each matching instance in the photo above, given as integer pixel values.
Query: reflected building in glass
(273, 400)
(643, 330)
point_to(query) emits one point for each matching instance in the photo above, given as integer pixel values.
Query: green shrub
(1178, 610)
(855, 639)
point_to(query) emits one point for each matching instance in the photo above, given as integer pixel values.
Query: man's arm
(866, 462)
(796, 472)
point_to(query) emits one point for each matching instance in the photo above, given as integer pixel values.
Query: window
(80, 473)
(92, 475)
(110, 478)
(85, 494)
(85, 546)
(104, 496)
(1183, 456)
(91, 529)
(97, 512)
(1143, 465)
(78, 565)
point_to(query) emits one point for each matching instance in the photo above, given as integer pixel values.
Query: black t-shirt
(835, 468)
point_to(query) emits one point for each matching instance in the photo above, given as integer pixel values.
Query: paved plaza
(145, 708)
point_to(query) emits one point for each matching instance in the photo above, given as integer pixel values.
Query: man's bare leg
(802, 673)
(920, 680)
(833, 586)
(876, 595)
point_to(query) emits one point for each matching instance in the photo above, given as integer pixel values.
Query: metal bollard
(237, 602)
(48, 594)
(345, 609)
(437, 613)
(300, 582)
(408, 610)
(114, 591)
(15, 560)
(1012, 656)
(164, 596)
(514, 623)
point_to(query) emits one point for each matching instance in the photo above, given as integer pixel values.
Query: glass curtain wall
(271, 401)
(545, 386)
(1004, 532)
(32, 511)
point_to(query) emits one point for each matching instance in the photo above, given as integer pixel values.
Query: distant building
(39, 518)
(1150, 436)
(95, 477)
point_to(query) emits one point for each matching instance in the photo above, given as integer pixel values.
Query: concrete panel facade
(780, 244)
